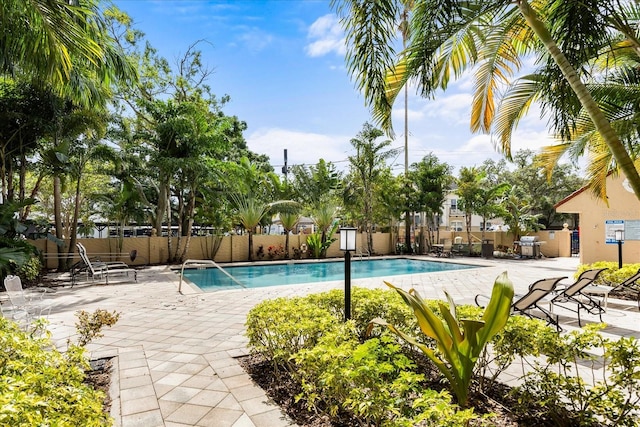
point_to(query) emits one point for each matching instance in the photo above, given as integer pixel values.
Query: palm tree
(449, 36)
(49, 40)
(289, 222)
(250, 212)
(324, 217)
(367, 167)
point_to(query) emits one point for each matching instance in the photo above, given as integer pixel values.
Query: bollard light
(347, 244)
(619, 239)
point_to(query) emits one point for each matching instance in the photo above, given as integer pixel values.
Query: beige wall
(594, 212)
(555, 243)
(153, 250)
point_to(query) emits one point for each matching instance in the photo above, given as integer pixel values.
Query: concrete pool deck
(177, 363)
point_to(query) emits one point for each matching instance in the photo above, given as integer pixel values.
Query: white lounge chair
(24, 308)
(99, 269)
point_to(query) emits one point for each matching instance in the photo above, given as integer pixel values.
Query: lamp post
(619, 239)
(347, 244)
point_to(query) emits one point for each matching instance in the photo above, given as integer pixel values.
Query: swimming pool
(258, 276)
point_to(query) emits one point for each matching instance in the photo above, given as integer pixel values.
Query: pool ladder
(202, 264)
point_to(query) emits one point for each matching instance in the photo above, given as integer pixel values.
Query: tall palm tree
(449, 37)
(366, 167)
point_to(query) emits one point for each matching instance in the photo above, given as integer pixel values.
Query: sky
(282, 62)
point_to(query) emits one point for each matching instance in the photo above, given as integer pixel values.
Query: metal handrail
(202, 264)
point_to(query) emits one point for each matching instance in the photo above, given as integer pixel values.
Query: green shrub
(40, 386)
(89, 325)
(279, 328)
(613, 275)
(29, 272)
(611, 396)
(374, 381)
(521, 338)
(367, 304)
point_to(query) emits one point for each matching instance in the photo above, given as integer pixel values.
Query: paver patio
(177, 363)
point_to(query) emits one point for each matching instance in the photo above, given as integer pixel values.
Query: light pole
(347, 244)
(620, 240)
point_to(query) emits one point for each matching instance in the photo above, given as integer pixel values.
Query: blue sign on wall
(610, 227)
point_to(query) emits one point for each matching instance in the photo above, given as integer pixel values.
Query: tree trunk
(407, 232)
(34, 192)
(599, 119)
(250, 244)
(286, 244)
(57, 214)
(191, 208)
(161, 209)
(73, 236)
(467, 218)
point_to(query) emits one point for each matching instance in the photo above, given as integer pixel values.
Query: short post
(347, 244)
(620, 240)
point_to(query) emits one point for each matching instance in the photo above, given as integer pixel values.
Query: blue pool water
(257, 276)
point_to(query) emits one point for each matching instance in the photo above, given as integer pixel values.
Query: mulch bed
(99, 377)
(282, 389)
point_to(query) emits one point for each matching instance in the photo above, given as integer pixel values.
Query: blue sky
(282, 64)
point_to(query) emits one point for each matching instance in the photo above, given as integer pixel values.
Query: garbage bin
(487, 248)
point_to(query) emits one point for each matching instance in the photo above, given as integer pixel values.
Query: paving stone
(220, 417)
(143, 419)
(181, 394)
(142, 404)
(189, 414)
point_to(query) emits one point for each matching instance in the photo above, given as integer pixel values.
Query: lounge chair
(24, 308)
(576, 294)
(630, 283)
(98, 269)
(538, 291)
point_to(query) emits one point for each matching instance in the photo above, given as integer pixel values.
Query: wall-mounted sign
(610, 227)
(632, 229)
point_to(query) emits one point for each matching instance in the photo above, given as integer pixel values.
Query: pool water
(257, 276)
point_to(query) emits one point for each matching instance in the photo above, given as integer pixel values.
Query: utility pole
(404, 28)
(285, 169)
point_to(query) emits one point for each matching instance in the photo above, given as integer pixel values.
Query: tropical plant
(315, 184)
(324, 218)
(289, 222)
(366, 168)
(63, 45)
(458, 349)
(449, 37)
(432, 180)
(317, 246)
(250, 212)
(517, 214)
(468, 183)
(14, 249)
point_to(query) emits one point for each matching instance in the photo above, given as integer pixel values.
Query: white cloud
(302, 147)
(326, 36)
(255, 39)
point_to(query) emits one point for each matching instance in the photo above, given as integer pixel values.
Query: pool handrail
(201, 264)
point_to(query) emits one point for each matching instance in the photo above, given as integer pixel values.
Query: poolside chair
(575, 294)
(24, 308)
(538, 291)
(99, 269)
(630, 283)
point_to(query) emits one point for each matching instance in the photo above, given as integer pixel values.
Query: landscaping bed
(326, 372)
